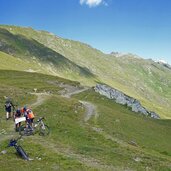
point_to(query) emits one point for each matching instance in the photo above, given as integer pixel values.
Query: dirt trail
(10, 133)
(41, 98)
(109, 137)
(67, 152)
(89, 107)
(90, 111)
(69, 90)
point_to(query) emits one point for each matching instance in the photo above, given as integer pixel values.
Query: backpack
(30, 115)
(7, 104)
(18, 113)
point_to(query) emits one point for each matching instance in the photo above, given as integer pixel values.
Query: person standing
(8, 108)
(17, 115)
(30, 116)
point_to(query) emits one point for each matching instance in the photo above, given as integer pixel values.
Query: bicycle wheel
(25, 131)
(44, 130)
(22, 153)
(21, 129)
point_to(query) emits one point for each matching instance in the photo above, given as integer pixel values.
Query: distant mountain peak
(161, 61)
(164, 63)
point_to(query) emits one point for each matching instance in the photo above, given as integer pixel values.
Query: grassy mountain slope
(101, 143)
(142, 79)
(45, 58)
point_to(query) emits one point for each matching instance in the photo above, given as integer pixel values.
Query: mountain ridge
(87, 130)
(142, 79)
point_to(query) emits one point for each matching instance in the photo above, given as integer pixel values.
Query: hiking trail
(90, 111)
(90, 108)
(41, 98)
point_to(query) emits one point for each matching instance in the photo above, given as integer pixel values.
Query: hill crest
(44, 52)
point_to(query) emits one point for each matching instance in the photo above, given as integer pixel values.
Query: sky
(141, 27)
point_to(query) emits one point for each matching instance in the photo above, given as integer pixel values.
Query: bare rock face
(121, 98)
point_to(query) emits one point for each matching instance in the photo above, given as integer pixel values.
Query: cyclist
(30, 116)
(23, 111)
(17, 115)
(8, 106)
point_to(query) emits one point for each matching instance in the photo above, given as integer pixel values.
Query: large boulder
(121, 98)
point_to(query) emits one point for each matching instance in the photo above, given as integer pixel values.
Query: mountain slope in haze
(145, 80)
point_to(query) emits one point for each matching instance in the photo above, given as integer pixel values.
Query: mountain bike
(20, 151)
(38, 126)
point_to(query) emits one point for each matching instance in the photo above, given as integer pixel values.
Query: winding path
(90, 108)
(90, 111)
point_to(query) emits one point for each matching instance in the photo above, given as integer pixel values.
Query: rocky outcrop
(124, 99)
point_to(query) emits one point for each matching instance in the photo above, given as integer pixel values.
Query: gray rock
(154, 115)
(121, 98)
(3, 152)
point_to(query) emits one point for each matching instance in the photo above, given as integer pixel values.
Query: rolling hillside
(109, 137)
(44, 52)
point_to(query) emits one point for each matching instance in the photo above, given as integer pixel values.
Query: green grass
(102, 143)
(122, 122)
(46, 53)
(151, 136)
(74, 144)
(44, 158)
(44, 59)
(16, 85)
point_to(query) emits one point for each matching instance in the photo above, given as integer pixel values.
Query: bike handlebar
(41, 118)
(14, 141)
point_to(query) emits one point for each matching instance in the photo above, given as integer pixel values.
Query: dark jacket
(8, 106)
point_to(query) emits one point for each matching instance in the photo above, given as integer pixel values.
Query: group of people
(23, 112)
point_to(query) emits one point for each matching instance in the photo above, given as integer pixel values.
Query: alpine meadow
(57, 77)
